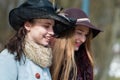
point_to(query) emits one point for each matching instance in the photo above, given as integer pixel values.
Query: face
(40, 31)
(81, 33)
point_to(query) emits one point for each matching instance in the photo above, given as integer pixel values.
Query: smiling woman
(72, 55)
(27, 55)
(40, 31)
(81, 34)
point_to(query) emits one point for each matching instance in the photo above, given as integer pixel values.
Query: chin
(46, 44)
(77, 48)
(43, 44)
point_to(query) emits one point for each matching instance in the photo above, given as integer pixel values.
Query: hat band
(83, 19)
(63, 15)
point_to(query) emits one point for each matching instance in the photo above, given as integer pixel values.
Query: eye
(78, 32)
(46, 26)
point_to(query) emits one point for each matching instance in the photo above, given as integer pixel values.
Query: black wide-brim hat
(34, 9)
(81, 19)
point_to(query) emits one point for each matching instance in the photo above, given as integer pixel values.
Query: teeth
(77, 41)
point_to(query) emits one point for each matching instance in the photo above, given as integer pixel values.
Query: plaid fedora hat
(34, 9)
(81, 19)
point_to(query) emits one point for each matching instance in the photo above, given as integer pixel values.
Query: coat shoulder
(8, 66)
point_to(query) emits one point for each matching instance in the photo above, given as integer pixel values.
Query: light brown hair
(63, 56)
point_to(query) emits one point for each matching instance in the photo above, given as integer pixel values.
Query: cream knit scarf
(39, 54)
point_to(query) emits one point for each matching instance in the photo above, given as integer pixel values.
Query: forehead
(82, 28)
(45, 21)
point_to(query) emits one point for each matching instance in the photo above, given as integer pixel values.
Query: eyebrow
(82, 31)
(46, 23)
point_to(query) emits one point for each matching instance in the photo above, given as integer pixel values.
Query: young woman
(27, 55)
(72, 55)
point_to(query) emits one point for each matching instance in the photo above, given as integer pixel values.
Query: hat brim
(94, 29)
(18, 16)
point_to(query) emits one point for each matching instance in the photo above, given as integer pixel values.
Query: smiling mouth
(48, 39)
(77, 44)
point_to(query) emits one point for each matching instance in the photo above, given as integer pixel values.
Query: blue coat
(10, 69)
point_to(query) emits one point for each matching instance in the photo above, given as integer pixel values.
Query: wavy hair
(16, 43)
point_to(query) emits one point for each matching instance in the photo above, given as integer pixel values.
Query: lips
(47, 39)
(77, 44)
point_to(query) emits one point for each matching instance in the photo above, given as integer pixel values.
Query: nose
(50, 31)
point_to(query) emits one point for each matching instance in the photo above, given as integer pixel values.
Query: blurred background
(105, 14)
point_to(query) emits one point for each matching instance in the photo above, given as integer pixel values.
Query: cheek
(76, 37)
(40, 31)
(37, 33)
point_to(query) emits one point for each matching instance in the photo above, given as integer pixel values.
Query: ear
(27, 26)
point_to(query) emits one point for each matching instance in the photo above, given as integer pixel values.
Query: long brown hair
(16, 43)
(64, 56)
